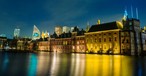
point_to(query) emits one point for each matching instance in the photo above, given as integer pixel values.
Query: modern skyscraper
(145, 28)
(66, 29)
(72, 28)
(46, 34)
(16, 33)
(58, 30)
(36, 33)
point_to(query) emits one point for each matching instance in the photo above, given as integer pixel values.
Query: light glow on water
(59, 64)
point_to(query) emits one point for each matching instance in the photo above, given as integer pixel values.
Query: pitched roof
(106, 26)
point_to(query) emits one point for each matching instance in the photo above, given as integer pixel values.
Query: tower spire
(125, 15)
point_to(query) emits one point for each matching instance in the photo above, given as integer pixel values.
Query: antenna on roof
(131, 11)
(136, 13)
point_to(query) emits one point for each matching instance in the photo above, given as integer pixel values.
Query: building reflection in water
(58, 64)
(5, 62)
(104, 65)
(77, 65)
(54, 65)
(44, 64)
(32, 65)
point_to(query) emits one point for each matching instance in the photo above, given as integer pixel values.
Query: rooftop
(106, 26)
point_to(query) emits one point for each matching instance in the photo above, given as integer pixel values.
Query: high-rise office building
(72, 28)
(16, 33)
(36, 33)
(66, 29)
(58, 30)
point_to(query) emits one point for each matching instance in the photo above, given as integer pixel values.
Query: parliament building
(126, 37)
(117, 37)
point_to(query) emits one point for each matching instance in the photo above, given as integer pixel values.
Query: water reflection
(5, 62)
(57, 64)
(32, 65)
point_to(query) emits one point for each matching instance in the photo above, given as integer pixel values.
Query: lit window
(77, 42)
(82, 41)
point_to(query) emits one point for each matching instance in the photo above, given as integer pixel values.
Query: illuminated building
(44, 35)
(104, 38)
(2, 42)
(44, 45)
(118, 37)
(20, 45)
(145, 28)
(108, 38)
(78, 41)
(143, 41)
(58, 30)
(36, 33)
(66, 29)
(23, 44)
(61, 43)
(132, 37)
(16, 33)
(71, 29)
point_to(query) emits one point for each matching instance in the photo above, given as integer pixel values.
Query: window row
(103, 34)
(100, 40)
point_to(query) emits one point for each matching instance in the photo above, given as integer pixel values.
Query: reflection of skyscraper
(36, 33)
(58, 30)
(16, 33)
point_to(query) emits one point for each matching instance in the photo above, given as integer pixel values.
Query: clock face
(36, 34)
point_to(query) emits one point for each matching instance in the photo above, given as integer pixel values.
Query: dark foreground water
(56, 64)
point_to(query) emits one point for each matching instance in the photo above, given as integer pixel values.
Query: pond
(59, 64)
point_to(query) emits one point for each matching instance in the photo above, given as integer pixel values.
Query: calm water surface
(57, 64)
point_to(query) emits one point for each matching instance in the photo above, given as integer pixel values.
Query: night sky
(46, 14)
